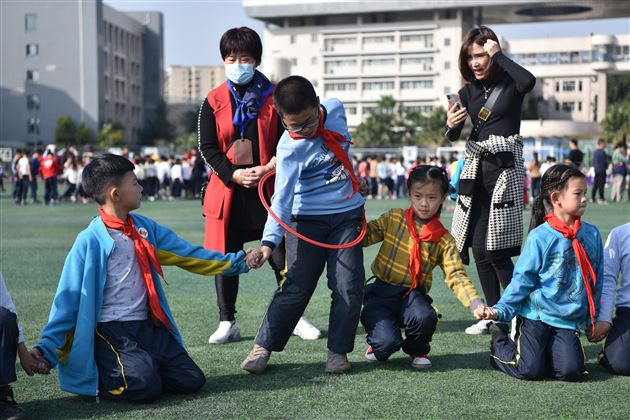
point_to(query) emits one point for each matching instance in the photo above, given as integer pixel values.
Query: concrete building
(77, 58)
(360, 51)
(189, 85)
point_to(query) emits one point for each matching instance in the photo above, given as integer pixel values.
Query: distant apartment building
(77, 58)
(361, 51)
(190, 84)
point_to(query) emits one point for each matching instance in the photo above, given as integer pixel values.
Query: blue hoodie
(547, 282)
(68, 337)
(309, 179)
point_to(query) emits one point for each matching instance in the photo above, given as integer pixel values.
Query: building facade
(190, 84)
(361, 51)
(77, 58)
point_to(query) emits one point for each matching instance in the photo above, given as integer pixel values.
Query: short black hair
(241, 40)
(293, 95)
(104, 171)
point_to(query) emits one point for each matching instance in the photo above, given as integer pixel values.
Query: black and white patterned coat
(505, 225)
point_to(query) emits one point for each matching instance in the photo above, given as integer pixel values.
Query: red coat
(218, 198)
(48, 167)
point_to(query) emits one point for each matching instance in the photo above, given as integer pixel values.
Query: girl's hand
(491, 47)
(455, 116)
(29, 364)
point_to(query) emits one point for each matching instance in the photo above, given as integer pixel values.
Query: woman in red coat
(238, 133)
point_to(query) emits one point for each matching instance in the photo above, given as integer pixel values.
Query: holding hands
(32, 362)
(249, 177)
(257, 257)
(602, 328)
(486, 312)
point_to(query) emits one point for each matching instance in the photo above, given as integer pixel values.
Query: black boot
(9, 410)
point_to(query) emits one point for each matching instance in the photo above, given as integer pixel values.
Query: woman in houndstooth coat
(488, 215)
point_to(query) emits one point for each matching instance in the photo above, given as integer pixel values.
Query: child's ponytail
(555, 179)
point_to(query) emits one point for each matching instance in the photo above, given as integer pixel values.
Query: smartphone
(453, 98)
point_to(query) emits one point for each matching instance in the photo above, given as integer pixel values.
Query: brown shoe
(337, 363)
(256, 360)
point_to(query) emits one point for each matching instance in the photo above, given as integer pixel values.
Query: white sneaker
(420, 361)
(370, 356)
(227, 331)
(513, 329)
(480, 327)
(305, 330)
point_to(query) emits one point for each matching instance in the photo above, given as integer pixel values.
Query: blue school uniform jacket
(547, 282)
(68, 338)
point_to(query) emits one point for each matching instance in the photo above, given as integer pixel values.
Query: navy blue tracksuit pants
(616, 354)
(8, 346)
(305, 264)
(385, 312)
(539, 350)
(138, 360)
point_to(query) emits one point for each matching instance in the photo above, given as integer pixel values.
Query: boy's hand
(602, 328)
(480, 311)
(29, 364)
(486, 312)
(252, 258)
(41, 366)
(266, 253)
(364, 187)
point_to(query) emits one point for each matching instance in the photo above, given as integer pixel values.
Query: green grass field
(34, 241)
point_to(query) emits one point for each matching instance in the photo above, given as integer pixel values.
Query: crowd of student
(162, 177)
(111, 333)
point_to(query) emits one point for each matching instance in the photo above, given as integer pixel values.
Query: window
(557, 86)
(568, 106)
(425, 39)
(557, 106)
(378, 62)
(447, 42)
(580, 86)
(568, 85)
(32, 50)
(378, 39)
(332, 42)
(342, 86)
(32, 102)
(378, 85)
(332, 64)
(585, 56)
(447, 65)
(32, 126)
(425, 63)
(351, 110)
(419, 109)
(416, 84)
(30, 22)
(580, 106)
(32, 75)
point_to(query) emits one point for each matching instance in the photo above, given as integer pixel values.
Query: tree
(530, 107)
(188, 121)
(159, 127)
(184, 143)
(85, 135)
(66, 131)
(618, 88)
(383, 128)
(616, 123)
(111, 134)
(426, 129)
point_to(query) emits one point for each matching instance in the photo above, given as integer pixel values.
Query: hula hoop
(267, 207)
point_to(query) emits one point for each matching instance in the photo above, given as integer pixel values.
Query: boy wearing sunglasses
(316, 194)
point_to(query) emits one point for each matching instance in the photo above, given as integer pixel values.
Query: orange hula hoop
(267, 207)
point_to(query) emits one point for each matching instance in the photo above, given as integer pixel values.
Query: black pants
(8, 346)
(385, 312)
(227, 286)
(34, 188)
(539, 350)
(138, 360)
(598, 184)
(50, 189)
(22, 188)
(616, 354)
(305, 264)
(493, 272)
(69, 192)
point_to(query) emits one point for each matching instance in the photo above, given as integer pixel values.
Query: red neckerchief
(333, 141)
(145, 253)
(582, 258)
(431, 232)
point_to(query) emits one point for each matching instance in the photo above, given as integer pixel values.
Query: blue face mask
(240, 74)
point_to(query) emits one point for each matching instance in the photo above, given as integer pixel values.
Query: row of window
(383, 85)
(605, 53)
(569, 86)
(569, 106)
(351, 109)
(424, 64)
(425, 40)
(119, 39)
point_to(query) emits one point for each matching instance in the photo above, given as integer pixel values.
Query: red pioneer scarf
(431, 232)
(145, 253)
(581, 256)
(333, 141)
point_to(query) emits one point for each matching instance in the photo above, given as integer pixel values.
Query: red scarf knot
(430, 232)
(333, 141)
(146, 256)
(581, 256)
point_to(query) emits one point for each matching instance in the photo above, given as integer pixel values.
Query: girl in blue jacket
(555, 288)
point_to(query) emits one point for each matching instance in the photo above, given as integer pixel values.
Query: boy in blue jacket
(315, 191)
(110, 332)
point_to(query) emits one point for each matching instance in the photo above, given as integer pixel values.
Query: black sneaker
(9, 410)
(498, 330)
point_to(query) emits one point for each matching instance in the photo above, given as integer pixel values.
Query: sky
(193, 28)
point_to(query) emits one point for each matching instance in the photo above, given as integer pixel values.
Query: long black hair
(554, 179)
